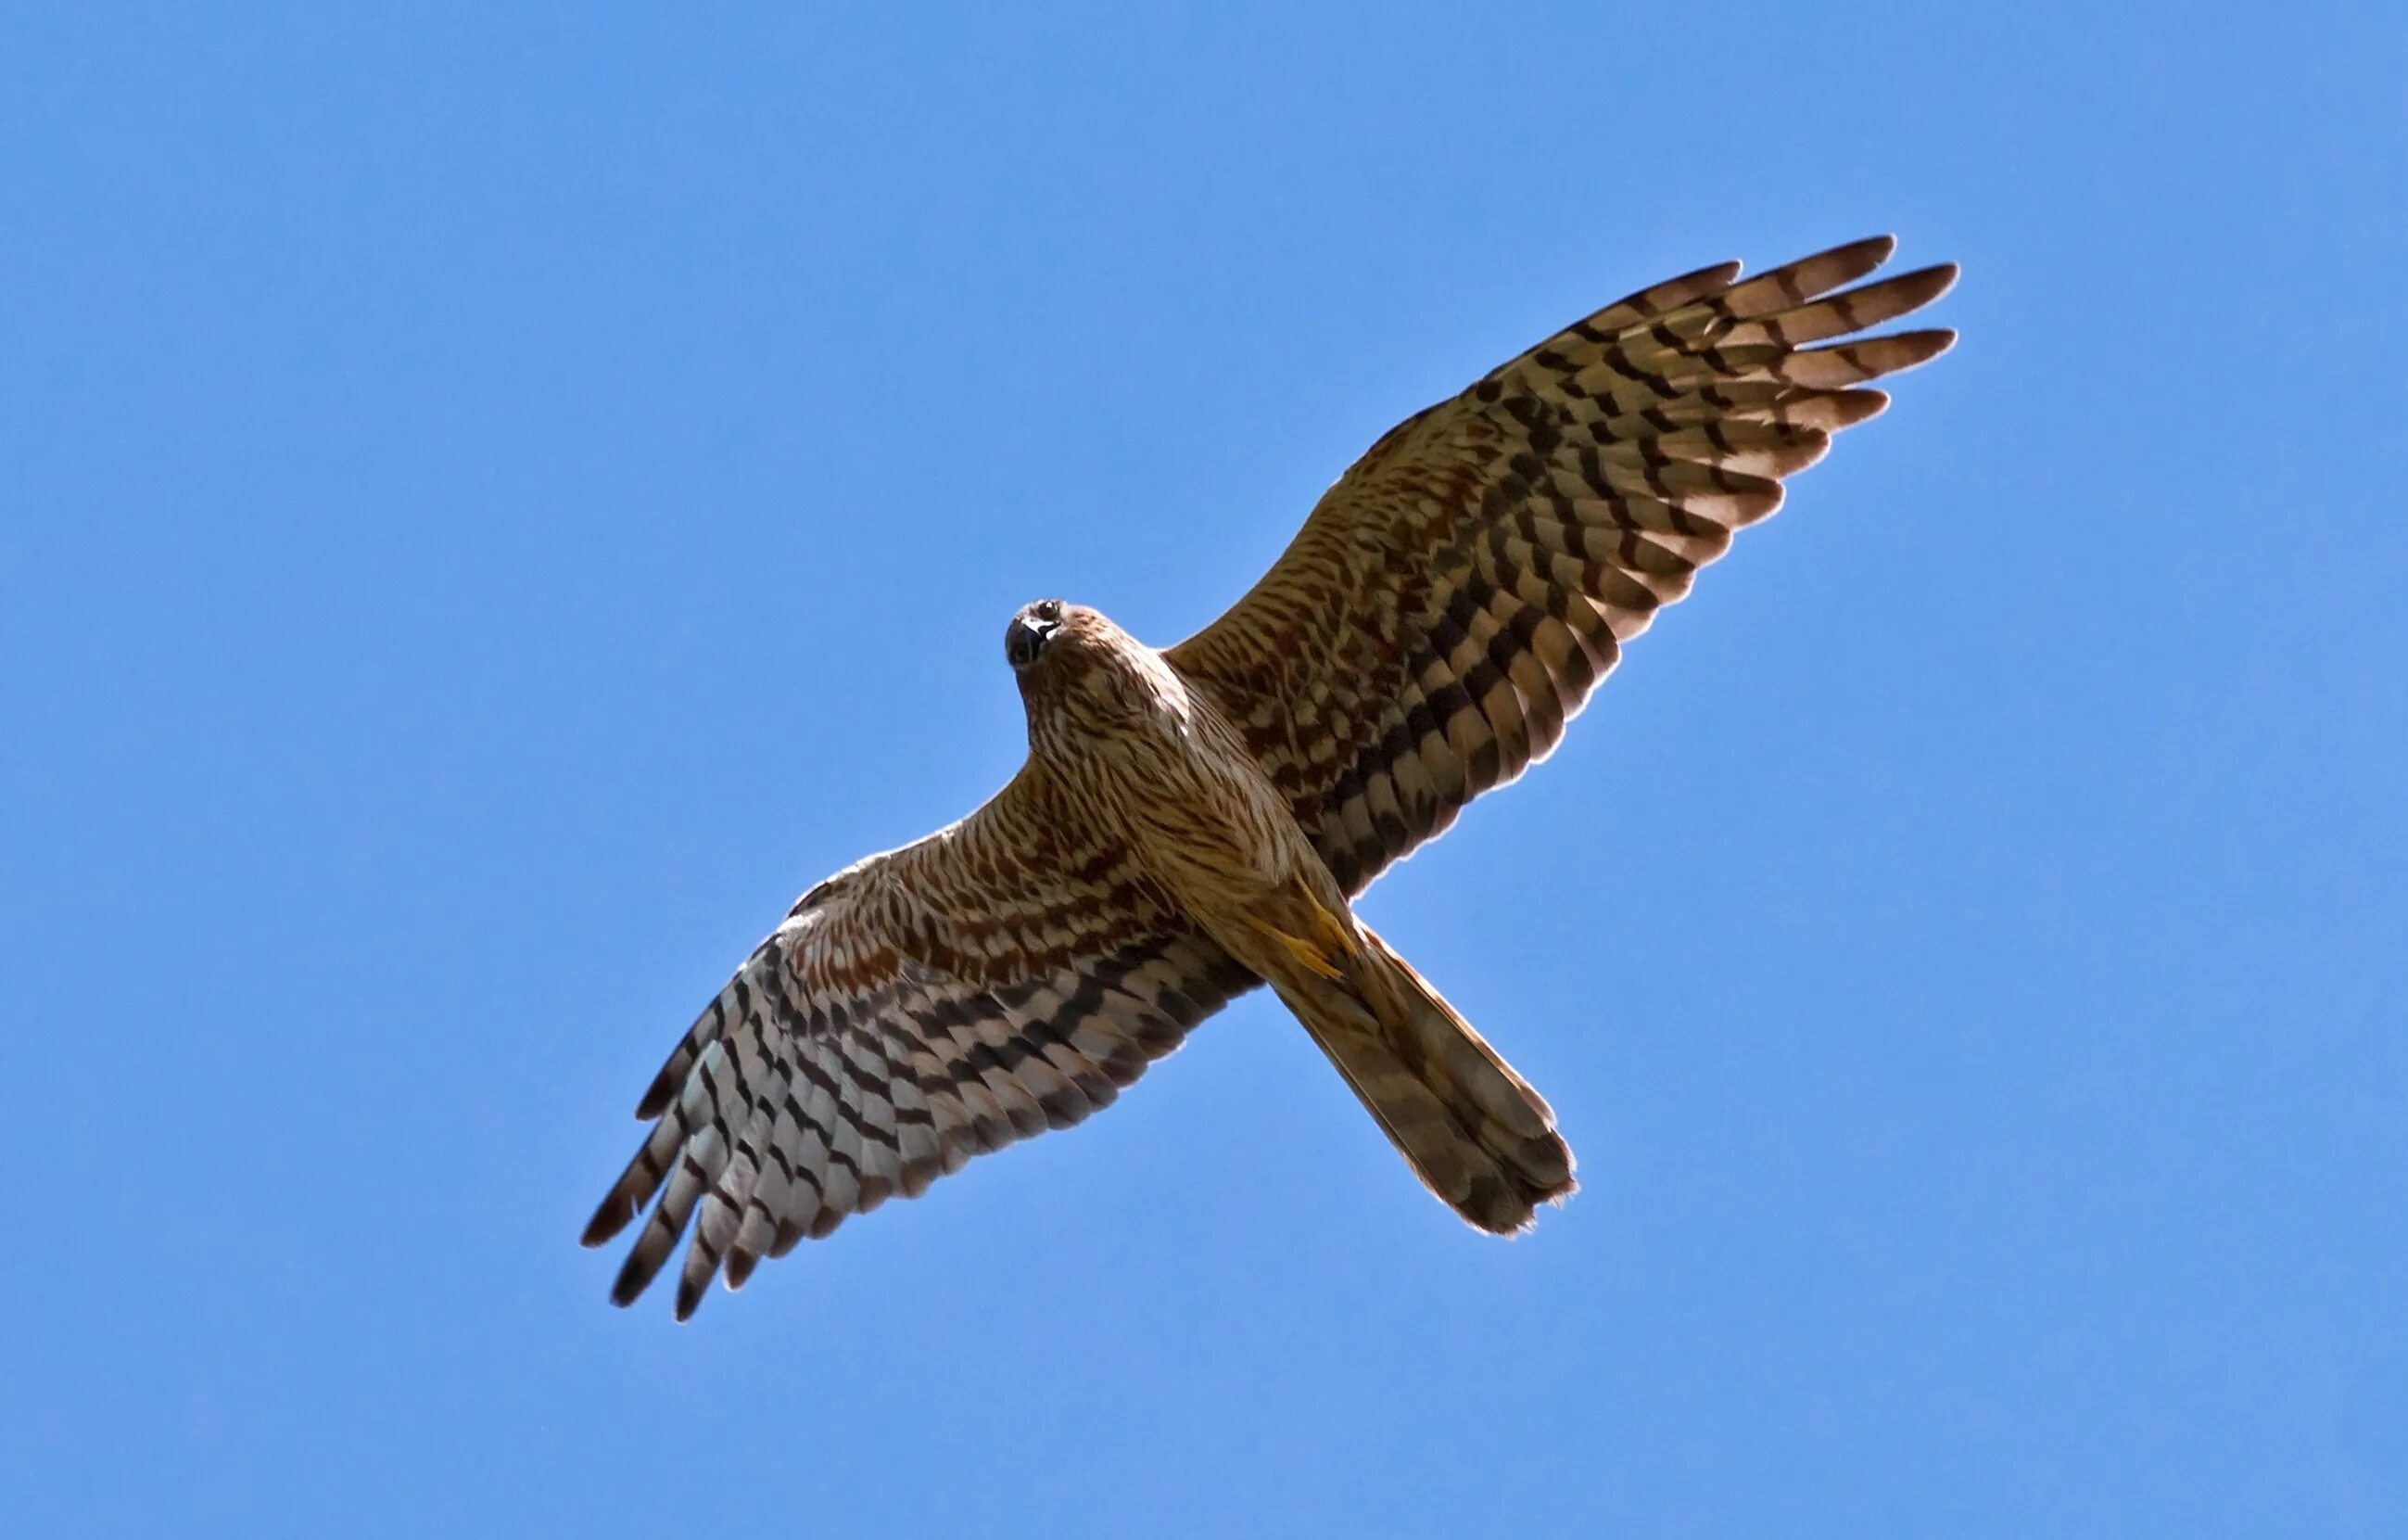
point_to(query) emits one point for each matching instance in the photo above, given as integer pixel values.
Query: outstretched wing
(1002, 977)
(1455, 596)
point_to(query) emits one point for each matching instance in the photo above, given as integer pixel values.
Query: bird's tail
(1473, 1130)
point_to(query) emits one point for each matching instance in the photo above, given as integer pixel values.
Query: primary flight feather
(1191, 822)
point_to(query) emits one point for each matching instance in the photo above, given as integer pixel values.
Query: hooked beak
(1024, 637)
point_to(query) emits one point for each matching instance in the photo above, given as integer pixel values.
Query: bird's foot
(1313, 956)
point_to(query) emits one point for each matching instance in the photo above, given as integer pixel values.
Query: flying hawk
(1193, 822)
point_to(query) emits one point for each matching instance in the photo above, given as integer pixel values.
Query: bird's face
(1078, 672)
(1031, 631)
(1050, 639)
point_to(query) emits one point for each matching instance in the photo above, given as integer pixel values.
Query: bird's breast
(1198, 812)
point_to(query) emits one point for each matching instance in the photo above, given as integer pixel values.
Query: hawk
(1194, 822)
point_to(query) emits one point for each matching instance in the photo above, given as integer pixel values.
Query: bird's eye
(1048, 610)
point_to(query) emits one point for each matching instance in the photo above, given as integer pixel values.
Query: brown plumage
(1193, 822)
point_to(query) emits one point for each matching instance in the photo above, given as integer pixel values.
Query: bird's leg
(1297, 920)
(1312, 957)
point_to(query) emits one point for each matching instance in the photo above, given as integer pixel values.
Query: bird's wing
(1459, 593)
(998, 978)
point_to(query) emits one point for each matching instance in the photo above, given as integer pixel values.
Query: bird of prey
(1193, 822)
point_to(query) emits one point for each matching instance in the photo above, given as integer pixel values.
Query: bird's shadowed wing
(998, 978)
(1455, 596)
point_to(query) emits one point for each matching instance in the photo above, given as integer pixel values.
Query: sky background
(496, 500)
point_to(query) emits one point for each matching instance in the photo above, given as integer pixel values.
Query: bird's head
(1053, 638)
(1074, 666)
(1032, 631)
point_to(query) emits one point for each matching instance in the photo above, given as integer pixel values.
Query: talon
(1328, 929)
(1334, 941)
(1312, 957)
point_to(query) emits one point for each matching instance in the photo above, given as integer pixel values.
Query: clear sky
(496, 500)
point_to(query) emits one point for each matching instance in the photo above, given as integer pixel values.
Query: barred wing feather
(1456, 596)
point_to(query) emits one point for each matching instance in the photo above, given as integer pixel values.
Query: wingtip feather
(608, 1219)
(629, 1286)
(740, 1263)
(1922, 346)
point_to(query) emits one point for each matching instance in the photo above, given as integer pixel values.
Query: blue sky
(499, 500)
